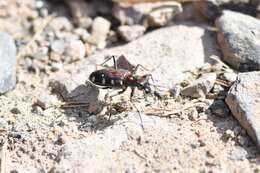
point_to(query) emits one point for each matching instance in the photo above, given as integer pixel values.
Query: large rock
(167, 52)
(239, 38)
(243, 101)
(8, 63)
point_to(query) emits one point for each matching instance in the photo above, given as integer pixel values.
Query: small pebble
(238, 153)
(3, 123)
(193, 114)
(75, 50)
(175, 91)
(45, 101)
(200, 87)
(243, 140)
(231, 77)
(229, 134)
(237, 130)
(129, 33)
(61, 24)
(56, 57)
(82, 33)
(61, 139)
(15, 111)
(58, 46)
(99, 32)
(56, 66)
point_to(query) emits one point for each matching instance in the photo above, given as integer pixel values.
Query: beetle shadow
(82, 105)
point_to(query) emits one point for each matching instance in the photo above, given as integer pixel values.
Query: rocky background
(204, 56)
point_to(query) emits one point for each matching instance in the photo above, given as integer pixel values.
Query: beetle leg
(109, 58)
(110, 100)
(137, 67)
(132, 93)
(118, 93)
(139, 113)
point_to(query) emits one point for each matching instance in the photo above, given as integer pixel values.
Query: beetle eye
(140, 87)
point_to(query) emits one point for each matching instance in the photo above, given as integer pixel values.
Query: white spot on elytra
(112, 82)
(103, 81)
(93, 79)
(121, 82)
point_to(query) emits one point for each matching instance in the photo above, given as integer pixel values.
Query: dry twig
(39, 31)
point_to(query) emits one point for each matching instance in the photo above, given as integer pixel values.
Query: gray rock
(8, 63)
(243, 101)
(99, 32)
(94, 153)
(129, 33)
(219, 108)
(238, 153)
(58, 46)
(240, 42)
(82, 33)
(73, 88)
(201, 86)
(75, 49)
(60, 24)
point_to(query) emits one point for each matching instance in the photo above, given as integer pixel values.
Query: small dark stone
(15, 111)
(220, 109)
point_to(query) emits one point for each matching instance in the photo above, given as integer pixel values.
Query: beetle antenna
(139, 114)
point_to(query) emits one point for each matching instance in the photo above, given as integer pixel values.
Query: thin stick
(162, 112)
(46, 21)
(222, 83)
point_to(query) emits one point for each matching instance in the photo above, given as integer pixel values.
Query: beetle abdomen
(106, 78)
